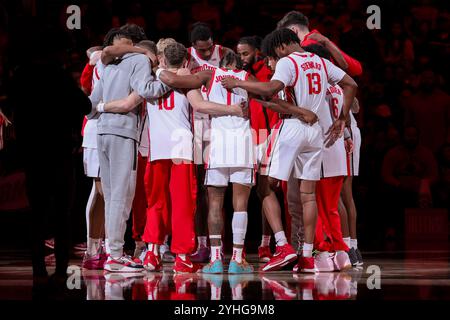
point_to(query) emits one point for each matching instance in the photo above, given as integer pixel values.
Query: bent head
(175, 55)
(231, 61)
(281, 43)
(296, 22)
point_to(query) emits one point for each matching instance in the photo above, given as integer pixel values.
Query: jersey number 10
(164, 102)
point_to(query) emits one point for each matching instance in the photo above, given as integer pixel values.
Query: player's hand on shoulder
(230, 83)
(320, 38)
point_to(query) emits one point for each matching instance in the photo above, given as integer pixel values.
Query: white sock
(265, 241)
(182, 257)
(108, 250)
(237, 254)
(280, 238)
(202, 241)
(153, 248)
(307, 250)
(239, 227)
(166, 240)
(93, 246)
(347, 241)
(354, 243)
(216, 253)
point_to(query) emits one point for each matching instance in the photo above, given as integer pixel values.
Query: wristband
(158, 72)
(101, 107)
(347, 134)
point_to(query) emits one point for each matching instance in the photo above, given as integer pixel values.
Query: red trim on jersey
(272, 140)
(247, 74)
(211, 82)
(325, 67)
(296, 71)
(96, 73)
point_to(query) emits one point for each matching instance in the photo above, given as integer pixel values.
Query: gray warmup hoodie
(117, 82)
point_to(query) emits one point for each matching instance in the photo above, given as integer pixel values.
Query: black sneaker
(359, 256)
(353, 257)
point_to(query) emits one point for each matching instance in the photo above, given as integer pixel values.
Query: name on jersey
(220, 78)
(311, 65)
(334, 90)
(203, 68)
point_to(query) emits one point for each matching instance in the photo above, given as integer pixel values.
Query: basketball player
(117, 136)
(261, 119)
(297, 146)
(299, 23)
(202, 55)
(170, 143)
(94, 257)
(347, 207)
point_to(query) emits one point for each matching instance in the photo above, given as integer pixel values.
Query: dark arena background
(401, 193)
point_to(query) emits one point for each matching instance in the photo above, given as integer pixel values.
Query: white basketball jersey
(307, 75)
(202, 64)
(170, 127)
(334, 162)
(90, 129)
(231, 136)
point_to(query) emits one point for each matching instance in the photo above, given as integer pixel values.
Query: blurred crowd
(403, 91)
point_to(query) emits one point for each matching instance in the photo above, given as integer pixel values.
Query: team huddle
(171, 127)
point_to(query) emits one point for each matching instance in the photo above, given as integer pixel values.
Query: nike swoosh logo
(188, 265)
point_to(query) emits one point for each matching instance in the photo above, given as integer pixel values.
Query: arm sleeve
(354, 66)
(144, 83)
(285, 72)
(335, 74)
(86, 77)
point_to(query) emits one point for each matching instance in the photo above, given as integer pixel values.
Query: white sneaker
(323, 262)
(341, 261)
(123, 264)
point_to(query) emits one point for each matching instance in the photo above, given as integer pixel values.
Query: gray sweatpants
(118, 162)
(295, 209)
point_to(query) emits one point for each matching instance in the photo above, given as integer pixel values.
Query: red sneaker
(185, 266)
(283, 256)
(305, 265)
(264, 254)
(152, 262)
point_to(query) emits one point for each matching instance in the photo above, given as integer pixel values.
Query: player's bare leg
(241, 193)
(349, 204)
(95, 215)
(308, 199)
(216, 197)
(264, 253)
(271, 207)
